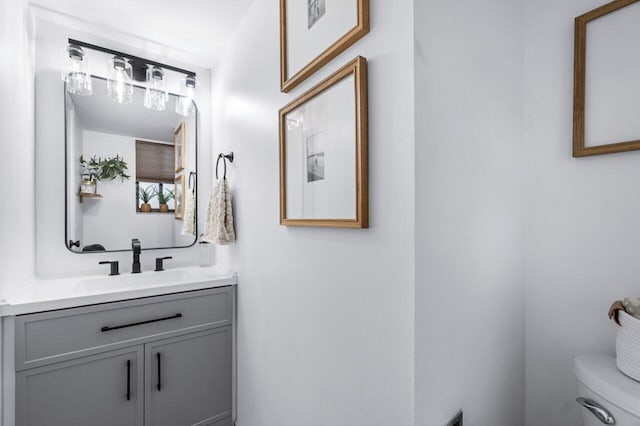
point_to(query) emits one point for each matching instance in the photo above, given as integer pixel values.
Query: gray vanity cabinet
(100, 390)
(190, 380)
(157, 361)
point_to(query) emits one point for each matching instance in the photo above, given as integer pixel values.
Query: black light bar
(137, 62)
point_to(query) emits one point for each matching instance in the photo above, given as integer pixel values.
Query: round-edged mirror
(130, 173)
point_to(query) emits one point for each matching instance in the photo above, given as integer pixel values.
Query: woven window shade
(154, 162)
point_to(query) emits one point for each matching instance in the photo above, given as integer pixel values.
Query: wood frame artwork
(579, 148)
(358, 69)
(341, 43)
(179, 144)
(179, 193)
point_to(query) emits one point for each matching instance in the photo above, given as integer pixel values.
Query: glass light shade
(119, 80)
(184, 103)
(78, 73)
(156, 95)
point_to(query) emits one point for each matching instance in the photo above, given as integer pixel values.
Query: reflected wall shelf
(82, 195)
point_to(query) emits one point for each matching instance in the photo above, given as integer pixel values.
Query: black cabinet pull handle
(159, 372)
(117, 327)
(128, 380)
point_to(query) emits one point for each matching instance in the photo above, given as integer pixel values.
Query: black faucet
(114, 266)
(135, 246)
(159, 265)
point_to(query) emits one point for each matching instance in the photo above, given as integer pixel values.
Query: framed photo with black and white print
(323, 153)
(313, 32)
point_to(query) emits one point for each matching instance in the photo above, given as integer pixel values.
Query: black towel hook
(224, 158)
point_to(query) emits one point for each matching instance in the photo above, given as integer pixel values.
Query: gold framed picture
(314, 32)
(606, 87)
(179, 142)
(179, 197)
(324, 153)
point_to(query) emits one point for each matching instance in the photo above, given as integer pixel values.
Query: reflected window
(159, 194)
(155, 188)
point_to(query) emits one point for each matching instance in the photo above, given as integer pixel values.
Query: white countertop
(46, 294)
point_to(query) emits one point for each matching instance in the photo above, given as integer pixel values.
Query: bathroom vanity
(152, 349)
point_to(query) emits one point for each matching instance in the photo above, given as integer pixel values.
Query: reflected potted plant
(95, 169)
(112, 168)
(163, 198)
(146, 195)
(88, 185)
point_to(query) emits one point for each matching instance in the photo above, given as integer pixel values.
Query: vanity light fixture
(295, 120)
(78, 74)
(122, 71)
(156, 95)
(184, 103)
(120, 80)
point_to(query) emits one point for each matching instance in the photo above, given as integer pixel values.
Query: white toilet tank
(604, 385)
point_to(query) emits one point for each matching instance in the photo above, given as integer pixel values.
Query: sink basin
(145, 279)
(44, 294)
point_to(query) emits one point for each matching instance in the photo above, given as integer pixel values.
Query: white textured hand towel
(189, 219)
(218, 226)
(632, 306)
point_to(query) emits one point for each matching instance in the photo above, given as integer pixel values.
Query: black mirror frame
(68, 242)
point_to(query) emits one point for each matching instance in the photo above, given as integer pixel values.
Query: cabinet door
(99, 390)
(188, 380)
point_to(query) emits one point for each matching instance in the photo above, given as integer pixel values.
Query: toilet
(607, 396)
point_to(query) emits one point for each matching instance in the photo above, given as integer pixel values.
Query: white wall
(52, 258)
(325, 315)
(469, 219)
(16, 149)
(582, 223)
